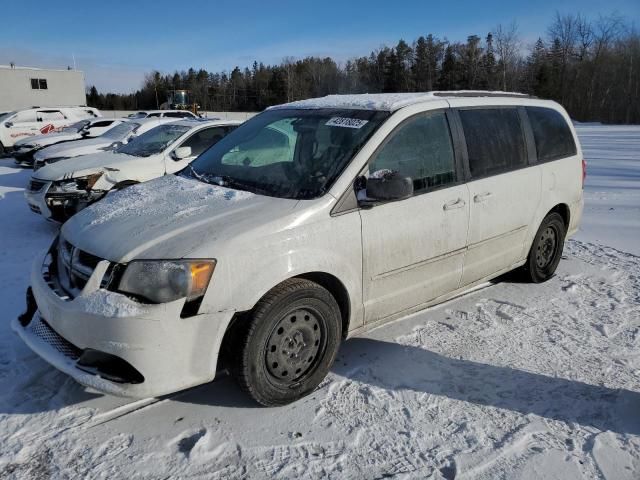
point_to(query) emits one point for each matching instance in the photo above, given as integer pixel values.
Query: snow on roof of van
(389, 101)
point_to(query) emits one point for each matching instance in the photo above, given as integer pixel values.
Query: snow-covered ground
(511, 381)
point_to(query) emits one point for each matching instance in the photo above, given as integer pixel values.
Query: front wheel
(546, 250)
(288, 344)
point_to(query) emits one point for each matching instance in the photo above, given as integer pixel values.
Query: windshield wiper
(226, 181)
(240, 185)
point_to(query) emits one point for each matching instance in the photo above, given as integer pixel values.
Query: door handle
(453, 204)
(481, 197)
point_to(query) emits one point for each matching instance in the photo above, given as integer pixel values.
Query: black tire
(2, 152)
(288, 343)
(546, 249)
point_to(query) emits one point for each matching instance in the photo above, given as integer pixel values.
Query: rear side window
(50, 115)
(178, 114)
(420, 149)
(551, 133)
(495, 142)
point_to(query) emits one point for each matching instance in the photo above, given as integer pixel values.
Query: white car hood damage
(84, 165)
(39, 141)
(74, 148)
(169, 217)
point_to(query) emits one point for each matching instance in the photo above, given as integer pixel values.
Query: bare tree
(508, 50)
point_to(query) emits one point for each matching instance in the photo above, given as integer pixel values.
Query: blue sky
(116, 42)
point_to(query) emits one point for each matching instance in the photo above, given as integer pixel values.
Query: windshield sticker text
(346, 122)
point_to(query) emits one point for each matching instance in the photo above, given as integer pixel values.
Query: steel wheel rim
(295, 345)
(546, 247)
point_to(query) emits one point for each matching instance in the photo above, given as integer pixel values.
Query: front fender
(331, 247)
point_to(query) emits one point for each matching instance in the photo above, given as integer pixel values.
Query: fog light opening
(109, 367)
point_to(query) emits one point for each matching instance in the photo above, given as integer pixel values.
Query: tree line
(591, 66)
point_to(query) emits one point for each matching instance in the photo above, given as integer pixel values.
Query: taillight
(584, 171)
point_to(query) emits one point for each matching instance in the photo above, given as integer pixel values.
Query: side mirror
(181, 153)
(8, 124)
(388, 185)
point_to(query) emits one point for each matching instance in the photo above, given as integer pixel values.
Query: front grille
(74, 267)
(36, 185)
(42, 330)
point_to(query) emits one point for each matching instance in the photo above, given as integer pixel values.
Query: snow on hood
(81, 165)
(48, 139)
(167, 218)
(77, 147)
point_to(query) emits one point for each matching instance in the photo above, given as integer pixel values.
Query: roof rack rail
(480, 93)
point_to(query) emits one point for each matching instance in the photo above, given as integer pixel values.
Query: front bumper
(36, 200)
(24, 158)
(59, 207)
(171, 353)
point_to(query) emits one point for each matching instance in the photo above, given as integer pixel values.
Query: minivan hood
(169, 217)
(83, 165)
(74, 148)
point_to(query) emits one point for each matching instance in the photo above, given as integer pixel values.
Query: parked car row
(21, 124)
(273, 241)
(71, 180)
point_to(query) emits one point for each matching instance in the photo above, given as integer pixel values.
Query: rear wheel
(546, 250)
(288, 344)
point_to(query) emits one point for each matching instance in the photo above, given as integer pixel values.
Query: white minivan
(309, 223)
(21, 124)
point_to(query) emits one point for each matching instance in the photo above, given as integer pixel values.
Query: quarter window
(495, 142)
(551, 133)
(421, 149)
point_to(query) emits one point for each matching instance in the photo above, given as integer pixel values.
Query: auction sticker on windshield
(346, 122)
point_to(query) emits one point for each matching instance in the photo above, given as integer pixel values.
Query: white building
(25, 87)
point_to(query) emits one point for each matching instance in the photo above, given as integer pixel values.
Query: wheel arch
(564, 211)
(326, 280)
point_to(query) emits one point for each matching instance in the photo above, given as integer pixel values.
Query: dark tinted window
(495, 142)
(43, 83)
(551, 133)
(178, 115)
(34, 84)
(203, 139)
(420, 149)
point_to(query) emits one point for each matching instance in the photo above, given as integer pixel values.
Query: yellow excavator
(180, 100)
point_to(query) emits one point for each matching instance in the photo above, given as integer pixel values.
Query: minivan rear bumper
(575, 216)
(170, 353)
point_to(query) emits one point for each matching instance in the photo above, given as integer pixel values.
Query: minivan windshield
(154, 141)
(287, 153)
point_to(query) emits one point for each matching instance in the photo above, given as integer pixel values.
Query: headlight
(162, 281)
(75, 184)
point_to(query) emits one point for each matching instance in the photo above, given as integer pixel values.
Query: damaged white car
(60, 190)
(118, 135)
(25, 149)
(309, 223)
